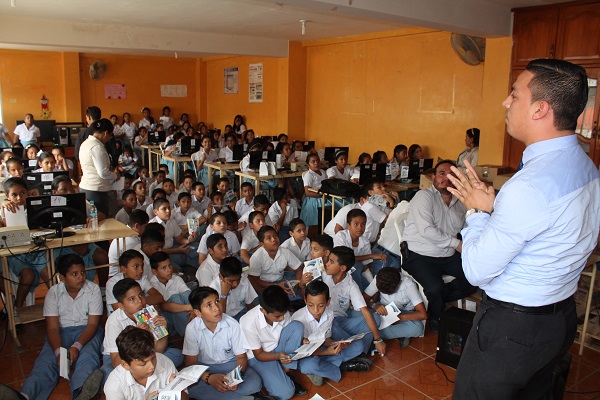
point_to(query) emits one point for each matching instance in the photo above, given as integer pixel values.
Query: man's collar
(546, 146)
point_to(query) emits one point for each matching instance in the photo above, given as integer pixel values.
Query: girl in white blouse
(341, 169)
(471, 152)
(205, 154)
(128, 127)
(312, 180)
(166, 120)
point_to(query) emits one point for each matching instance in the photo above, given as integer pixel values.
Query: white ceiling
(250, 27)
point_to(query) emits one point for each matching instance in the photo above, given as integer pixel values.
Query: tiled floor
(406, 374)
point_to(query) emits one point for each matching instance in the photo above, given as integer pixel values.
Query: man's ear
(543, 108)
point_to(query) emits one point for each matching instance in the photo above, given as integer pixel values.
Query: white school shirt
(181, 219)
(115, 323)
(245, 164)
(233, 244)
(242, 206)
(389, 237)
(166, 121)
(212, 155)
(216, 347)
(311, 325)
(301, 253)
(208, 271)
(147, 267)
(226, 153)
(147, 202)
(73, 311)
(275, 211)
(120, 385)
(110, 297)
(250, 241)
(26, 134)
(405, 298)
(113, 254)
(258, 333)
(271, 270)
(374, 219)
(173, 199)
(175, 285)
(342, 294)
(313, 180)
(129, 130)
(217, 208)
(238, 297)
(146, 123)
(342, 238)
(339, 219)
(172, 230)
(201, 205)
(246, 216)
(334, 172)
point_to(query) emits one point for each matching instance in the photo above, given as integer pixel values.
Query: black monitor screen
(46, 127)
(30, 165)
(417, 167)
(56, 212)
(309, 145)
(370, 172)
(157, 137)
(42, 180)
(330, 153)
(257, 156)
(239, 151)
(189, 145)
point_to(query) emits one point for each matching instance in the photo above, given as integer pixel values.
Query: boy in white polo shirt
(268, 263)
(214, 339)
(250, 243)
(142, 371)
(298, 243)
(72, 309)
(138, 219)
(218, 224)
(236, 294)
(246, 203)
(217, 251)
(282, 212)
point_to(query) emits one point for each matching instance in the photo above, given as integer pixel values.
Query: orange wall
(372, 93)
(143, 77)
(24, 77)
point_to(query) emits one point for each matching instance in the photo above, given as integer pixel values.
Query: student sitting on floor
(262, 204)
(142, 371)
(187, 182)
(236, 294)
(281, 212)
(321, 246)
(218, 224)
(151, 241)
(298, 243)
(214, 339)
(185, 212)
(131, 299)
(246, 201)
(138, 219)
(169, 188)
(217, 249)
(389, 286)
(250, 243)
(268, 263)
(270, 336)
(199, 199)
(176, 307)
(156, 194)
(129, 203)
(159, 177)
(141, 195)
(72, 310)
(216, 205)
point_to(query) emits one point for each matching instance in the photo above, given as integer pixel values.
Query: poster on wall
(230, 81)
(255, 82)
(115, 91)
(173, 90)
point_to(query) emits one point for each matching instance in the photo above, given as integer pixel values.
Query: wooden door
(578, 38)
(534, 35)
(587, 123)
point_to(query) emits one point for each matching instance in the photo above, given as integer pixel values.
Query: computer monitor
(309, 145)
(270, 138)
(370, 172)
(157, 137)
(56, 212)
(417, 167)
(239, 152)
(62, 135)
(257, 156)
(189, 146)
(330, 153)
(30, 165)
(42, 180)
(46, 127)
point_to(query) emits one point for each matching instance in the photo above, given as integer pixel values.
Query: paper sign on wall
(173, 90)
(230, 81)
(115, 91)
(255, 82)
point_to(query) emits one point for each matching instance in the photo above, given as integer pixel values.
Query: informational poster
(230, 81)
(173, 90)
(255, 82)
(115, 91)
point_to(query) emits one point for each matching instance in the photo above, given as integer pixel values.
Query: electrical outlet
(14, 237)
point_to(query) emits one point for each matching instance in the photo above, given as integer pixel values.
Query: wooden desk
(107, 230)
(221, 168)
(176, 160)
(400, 187)
(257, 178)
(333, 198)
(151, 149)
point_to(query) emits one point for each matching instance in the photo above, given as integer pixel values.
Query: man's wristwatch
(224, 297)
(472, 211)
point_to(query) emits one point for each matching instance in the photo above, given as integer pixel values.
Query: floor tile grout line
(412, 387)
(582, 379)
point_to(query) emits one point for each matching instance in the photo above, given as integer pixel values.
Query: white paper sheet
(64, 363)
(391, 317)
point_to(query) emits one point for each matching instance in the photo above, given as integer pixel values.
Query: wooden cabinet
(578, 37)
(534, 35)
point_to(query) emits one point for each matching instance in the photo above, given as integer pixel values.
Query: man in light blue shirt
(526, 247)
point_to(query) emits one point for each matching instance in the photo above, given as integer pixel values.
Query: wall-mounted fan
(97, 70)
(470, 49)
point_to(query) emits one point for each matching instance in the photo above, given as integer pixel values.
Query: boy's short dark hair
(128, 175)
(245, 184)
(231, 217)
(372, 184)
(158, 191)
(220, 180)
(138, 183)
(56, 181)
(274, 299)
(253, 215)
(213, 239)
(63, 263)
(157, 258)
(15, 160)
(152, 235)
(167, 180)
(388, 279)
(214, 194)
(315, 288)
(163, 166)
(138, 216)
(279, 193)
(261, 200)
(230, 266)
(122, 287)
(135, 343)
(214, 217)
(196, 184)
(364, 192)
(182, 195)
(159, 202)
(199, 294)
(295, 222)
(260, 235)
(355, 213)
(160, 171)
(126, 193)
(11, 182)
(129, 255)
(325, 241)
(345, 256)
